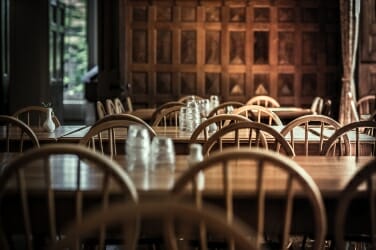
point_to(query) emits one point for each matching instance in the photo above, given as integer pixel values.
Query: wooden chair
(317, 105)
(212, 124)
(366, 105)
(49, 224)
(315, 125)
(248, 134)
(259, 114)
(16, 133)
(361, 185)
(372, 116)
(223, 108)
(164, 106)
(167, 117)
(185, 99)
(101, 110)
(241, 171)
(165, 213)
(263, 100)
(108, 135)
(129, 104)
(110, 107)
(34, 116)
(347, 138)
(119, 107)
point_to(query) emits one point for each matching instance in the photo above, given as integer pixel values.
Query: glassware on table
(214, 101)
(137, 147)
(229, 109)
(182, 119)
(195, 156)
(205, 107)
(193, 116)
(162, 155)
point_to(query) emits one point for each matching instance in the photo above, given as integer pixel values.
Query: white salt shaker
(195, 156)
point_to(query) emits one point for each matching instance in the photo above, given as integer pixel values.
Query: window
(76, 49)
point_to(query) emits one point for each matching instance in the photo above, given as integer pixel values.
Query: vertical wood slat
(105, 202)
(260, 201)
(25, 208)
(21, 141)
(237, 138)
(8, 138)
(113, 135)
(306, 138)
(321, 135)
(292, 139)
(288, 212)
(250, 133)
(357, 146)
(228, 192)
(51, 199)
(78, 197)
(372, 195)
(227, 186)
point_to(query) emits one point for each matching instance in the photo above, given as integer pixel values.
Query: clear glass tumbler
(162, 155)
(137, 147)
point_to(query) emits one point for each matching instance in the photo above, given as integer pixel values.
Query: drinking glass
(214, 101)
(137, 147)
(162, 155)
(183, 119)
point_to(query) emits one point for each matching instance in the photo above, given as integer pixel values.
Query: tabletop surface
(330, 174)
(42, 135)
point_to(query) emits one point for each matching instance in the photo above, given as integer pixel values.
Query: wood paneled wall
(367, 46)
(287, 49)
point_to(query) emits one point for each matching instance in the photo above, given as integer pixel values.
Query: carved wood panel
(367, 46)
(236, 49)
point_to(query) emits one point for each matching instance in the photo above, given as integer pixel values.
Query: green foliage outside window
(75, 51)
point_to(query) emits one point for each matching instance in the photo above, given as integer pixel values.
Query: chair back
(259, 114)
(225, 108)
(212, 124)
(108, 135)
(164, 106)
(187, 98)
(14, 134)
(366, 105)
(327, 108)
(110, 107)
(305, 129)
(101, 110)
(358, 195)
(263, 100)
(248, 134)
(177, 224)
(34, 116)
(356, 138)
(317, 105)
(236, 172)
(129, 104)
(119, 107)
(34, 195)
(168, 117)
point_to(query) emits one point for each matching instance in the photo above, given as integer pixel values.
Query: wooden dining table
(42, 135)
(287, 114)
(329, 173)
(181, 139)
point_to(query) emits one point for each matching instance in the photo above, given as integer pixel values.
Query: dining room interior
(157, 51)
(215, 124)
